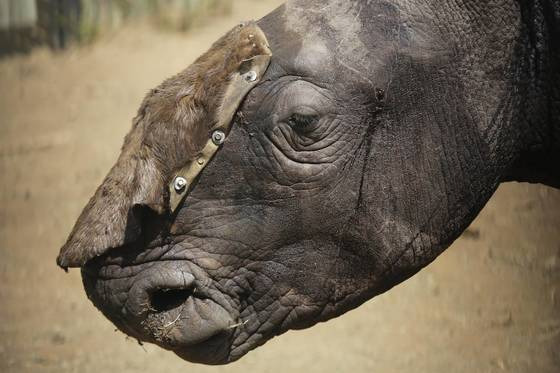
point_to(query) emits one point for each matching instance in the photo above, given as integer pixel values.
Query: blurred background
(59, 24)
(72, 75)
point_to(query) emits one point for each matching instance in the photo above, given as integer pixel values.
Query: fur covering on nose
(111, 218)
(170, 129)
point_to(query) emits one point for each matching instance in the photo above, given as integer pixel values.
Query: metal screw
(200, 160)
(218, 137)
(180, 183)
(251, 76)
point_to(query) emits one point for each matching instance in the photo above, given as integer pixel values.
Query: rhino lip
(164, 304)
(212, 351)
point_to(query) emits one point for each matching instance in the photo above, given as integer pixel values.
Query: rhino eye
(302, 122)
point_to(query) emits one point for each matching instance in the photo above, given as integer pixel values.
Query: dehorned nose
(102, 225)
(113, 216)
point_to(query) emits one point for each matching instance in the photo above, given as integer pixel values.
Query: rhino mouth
(163, 300)
(166, 302)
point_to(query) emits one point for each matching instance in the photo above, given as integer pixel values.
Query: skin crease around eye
(301, 99)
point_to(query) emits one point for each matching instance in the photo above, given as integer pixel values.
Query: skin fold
(380, 130)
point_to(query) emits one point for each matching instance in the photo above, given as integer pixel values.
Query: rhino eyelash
(301, 122)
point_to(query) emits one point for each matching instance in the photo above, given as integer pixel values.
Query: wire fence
(60, 23)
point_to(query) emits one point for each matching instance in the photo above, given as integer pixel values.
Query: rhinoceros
(376, 135)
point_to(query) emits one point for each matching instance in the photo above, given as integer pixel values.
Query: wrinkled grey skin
(379, 132)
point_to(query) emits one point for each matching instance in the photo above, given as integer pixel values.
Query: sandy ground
(489, 304)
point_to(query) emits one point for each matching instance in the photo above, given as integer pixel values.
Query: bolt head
(218, 137)
(180, 183)
(250, 76)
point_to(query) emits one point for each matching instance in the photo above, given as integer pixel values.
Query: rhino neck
(477, 103)
(539, 89)
(508, 56)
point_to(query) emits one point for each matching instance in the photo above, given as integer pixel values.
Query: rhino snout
(165, 305)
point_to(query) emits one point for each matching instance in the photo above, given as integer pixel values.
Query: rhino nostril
(167, 299)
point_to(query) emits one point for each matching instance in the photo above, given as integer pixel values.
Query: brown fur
(172, 125)
(190, 99)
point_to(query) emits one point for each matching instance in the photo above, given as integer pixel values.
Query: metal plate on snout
(237, 88)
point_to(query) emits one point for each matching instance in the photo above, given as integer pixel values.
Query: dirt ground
(490, 303)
